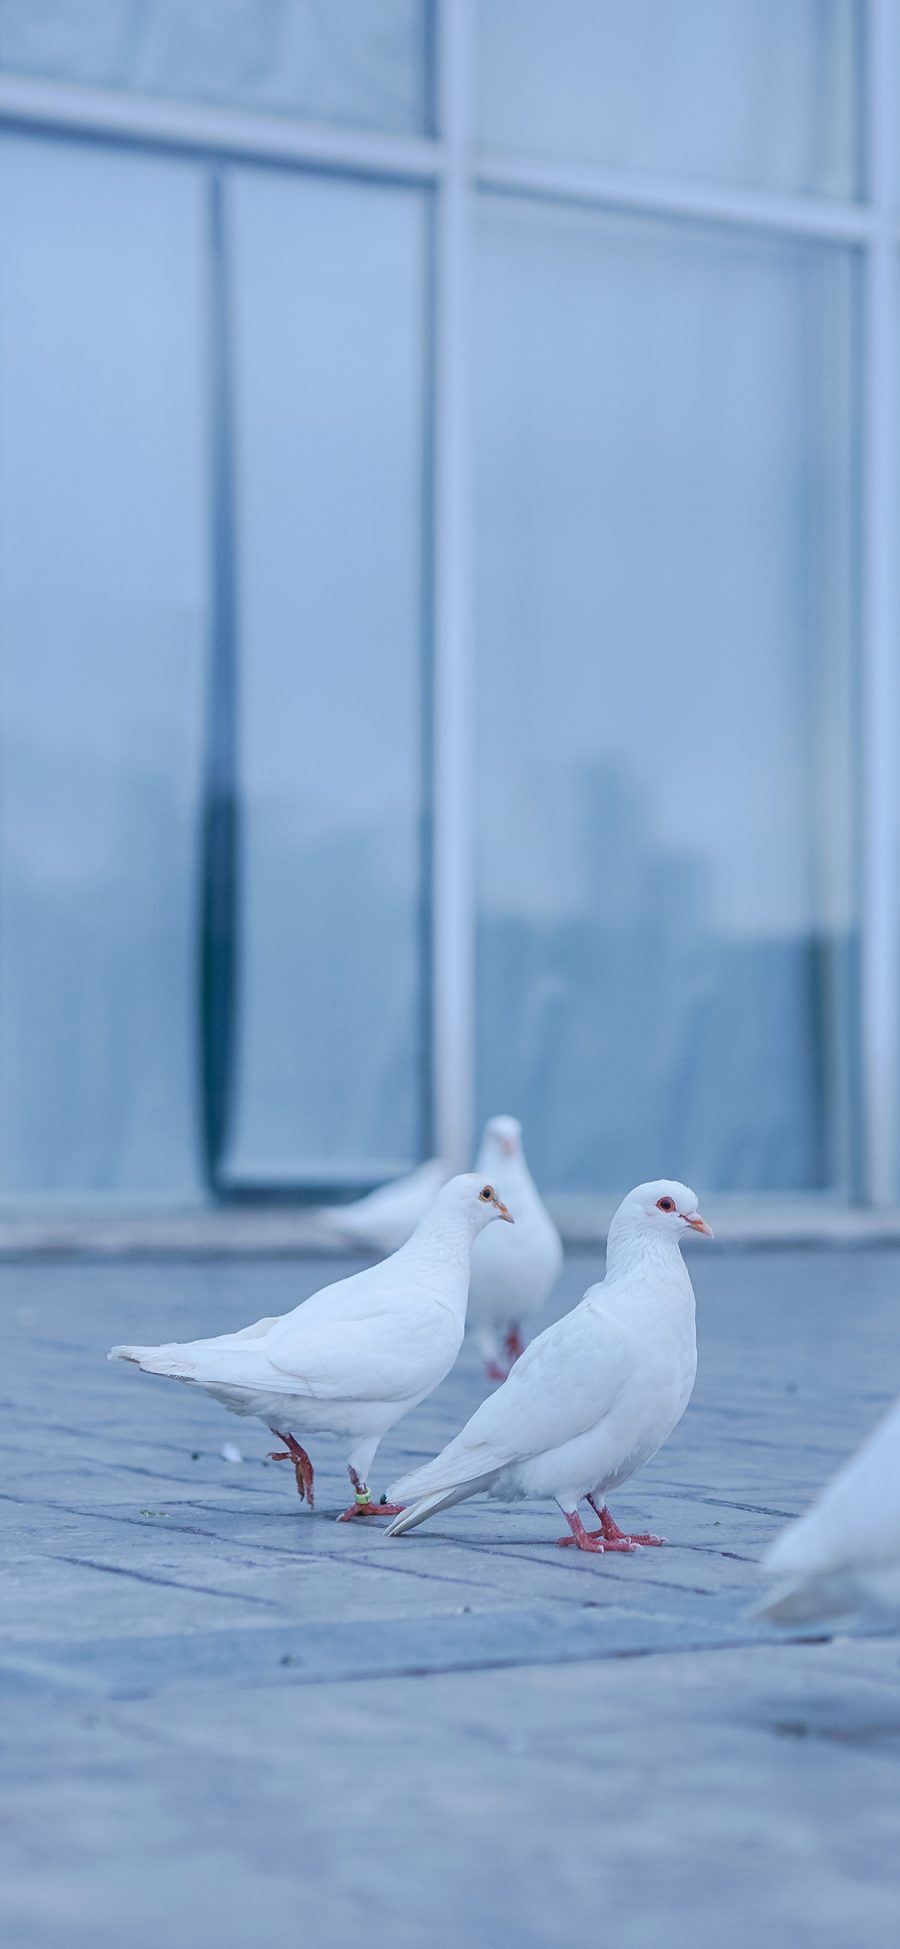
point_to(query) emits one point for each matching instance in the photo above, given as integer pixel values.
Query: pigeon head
(473, 1198)
(503, 1136)
(662, 1209)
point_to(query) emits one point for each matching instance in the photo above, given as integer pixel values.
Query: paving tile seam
(674, 1490)
(72, 1686)
(562, 1567)
(344, 1558)
(488, 1547)
(481, 1547)
(95, 1465)
(163, 1583)
(780, 1445)
(572, 1567)
(395, 1569)
(94, 1514)
(323, 1557)
(572, 1598)
(307, 1558)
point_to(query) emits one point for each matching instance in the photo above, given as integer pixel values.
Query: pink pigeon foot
(370, 1508)
(613, 1535)
(363, 1504)
(588, 1539)
(494, 1372)
(513, 1344)
(303, 1468)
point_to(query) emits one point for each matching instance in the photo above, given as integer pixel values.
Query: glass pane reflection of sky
(663, 583)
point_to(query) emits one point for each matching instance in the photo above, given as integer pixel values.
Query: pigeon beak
(698, 1224)
(502, 1211)
(508, 1146)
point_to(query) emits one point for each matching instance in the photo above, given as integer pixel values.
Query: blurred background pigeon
(387, 1217)
(513, 1275)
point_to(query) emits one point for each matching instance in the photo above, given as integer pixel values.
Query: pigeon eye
(486, 1194)
(665, 1204)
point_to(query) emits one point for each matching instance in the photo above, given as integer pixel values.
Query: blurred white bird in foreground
(593, 1397)
(356, 1356)
(388, 1217)
(844, 1554)
(513, 1274)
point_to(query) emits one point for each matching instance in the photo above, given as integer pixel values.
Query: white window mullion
(453, 893)
(880, 945)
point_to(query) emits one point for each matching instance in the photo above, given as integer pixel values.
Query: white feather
(844, 1554)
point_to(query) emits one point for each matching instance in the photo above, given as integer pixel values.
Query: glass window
(759, 93)
(103, 620)
(664, 609)
(358, 62)
(328, 281)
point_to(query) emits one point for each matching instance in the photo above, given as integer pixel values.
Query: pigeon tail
(156, 1360)
(419, 1512)
(177, 1359)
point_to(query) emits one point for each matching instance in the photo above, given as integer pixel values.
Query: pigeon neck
(446, 1239)
(630, 1247)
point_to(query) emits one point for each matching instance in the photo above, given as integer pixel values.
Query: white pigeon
(388, 1217)
(355, 1357)
(593, 1397)
(844, 1554)
(513, 1273)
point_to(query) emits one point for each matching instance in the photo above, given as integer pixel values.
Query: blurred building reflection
(230, 354)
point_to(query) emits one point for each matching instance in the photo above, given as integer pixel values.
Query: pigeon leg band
(363, 1505)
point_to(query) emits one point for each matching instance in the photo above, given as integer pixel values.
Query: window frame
(449, 164)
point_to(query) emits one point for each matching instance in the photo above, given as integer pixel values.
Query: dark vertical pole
(220, 838)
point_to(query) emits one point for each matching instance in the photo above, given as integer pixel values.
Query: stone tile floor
(227, 1720)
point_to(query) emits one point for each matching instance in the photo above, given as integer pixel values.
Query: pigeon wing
(565, 1382)
(386, 1357)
